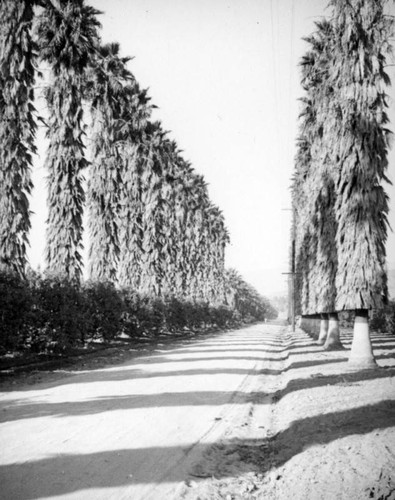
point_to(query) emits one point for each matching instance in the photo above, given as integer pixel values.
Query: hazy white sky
(224, 75)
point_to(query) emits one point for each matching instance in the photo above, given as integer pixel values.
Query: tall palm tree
(153, 222)
(172, 195)
(133, 138)
(17, 130)
(314, 188)
(196, 240)
(187, 224)
(219, 238)
(360, 143)
(68, 39)
(244, 299)
(107, 79)
(130, 218)
(325, 220)
(304, 191)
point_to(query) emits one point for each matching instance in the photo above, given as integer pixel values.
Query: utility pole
(292, 271)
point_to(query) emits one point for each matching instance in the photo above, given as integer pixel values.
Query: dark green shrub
(390, 317)
(346, 319)
(103, 310)
(51, 315)
(129, 317)
(378, 321)
(151, 316)
(197, 315)
(221, 316)
(176, 314)
(58, 315)
(383, 320)
(15, 307)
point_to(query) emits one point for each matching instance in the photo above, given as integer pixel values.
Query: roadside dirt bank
(316, 429)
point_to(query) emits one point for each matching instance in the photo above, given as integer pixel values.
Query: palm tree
(314, 189)
(68, 39)
(360, 144)
(219, 238)
(244, 299)
(188, 204)
(196, 243)
(304, 192)
(325, 222)
(17, 130)
(130, 218)
(107, 80)
(172, 193)
(133, 137)
(153, 220)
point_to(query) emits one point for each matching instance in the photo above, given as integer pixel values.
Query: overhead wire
(290, 139)
(275, 78)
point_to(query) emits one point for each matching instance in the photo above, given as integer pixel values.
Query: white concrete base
(361, 354)
(323, 331)
(333, 337)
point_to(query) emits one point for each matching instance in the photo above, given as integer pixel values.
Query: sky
(224, 75)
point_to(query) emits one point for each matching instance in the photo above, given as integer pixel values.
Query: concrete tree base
(323, 329)
(333, 338)
(361, 355)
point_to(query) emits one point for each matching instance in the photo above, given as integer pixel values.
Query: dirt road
(253, 414)
(133, 431)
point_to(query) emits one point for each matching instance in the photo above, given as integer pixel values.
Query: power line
(276, 106)
(291, 68)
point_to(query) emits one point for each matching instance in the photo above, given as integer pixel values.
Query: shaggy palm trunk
(312, 196)
(361, 354)
(361, 148)
(152, 259)
(103, 196)
(67, 36)
(17, 130)
(130, 216)
(103, 201)
(119, 112)
(65, 164)
(333, 338)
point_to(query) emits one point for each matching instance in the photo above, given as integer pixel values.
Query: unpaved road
(132, 431)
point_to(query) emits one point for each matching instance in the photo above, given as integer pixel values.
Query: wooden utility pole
(292, 272)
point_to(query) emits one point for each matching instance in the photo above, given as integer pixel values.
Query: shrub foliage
(50, 314)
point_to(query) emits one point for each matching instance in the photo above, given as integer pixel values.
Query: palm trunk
(361, 354)
(333, 338)
(323, 329)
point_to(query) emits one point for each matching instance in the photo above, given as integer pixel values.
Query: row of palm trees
(340, 206)
(245, 299)
(151, 223)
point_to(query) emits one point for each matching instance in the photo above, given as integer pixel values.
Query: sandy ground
(253, 413)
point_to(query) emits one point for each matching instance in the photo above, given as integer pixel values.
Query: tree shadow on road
(67, 473)
(341, 379)
(25, 409)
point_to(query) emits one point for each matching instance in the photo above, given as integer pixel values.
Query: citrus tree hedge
(47, 314)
